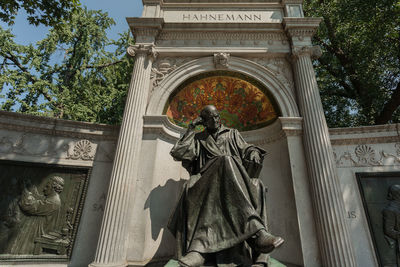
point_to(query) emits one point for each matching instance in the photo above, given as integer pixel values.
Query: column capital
(313, 52)
(149, 50)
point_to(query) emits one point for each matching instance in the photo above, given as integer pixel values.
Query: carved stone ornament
(366, 156)
(31, 145)
(280, 67)
(162, 67)
(313, 51)
(142, 49)
(221, 60)
(82, 150)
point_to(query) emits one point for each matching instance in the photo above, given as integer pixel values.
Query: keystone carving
(221, 60)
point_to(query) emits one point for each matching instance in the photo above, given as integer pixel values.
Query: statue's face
(48, 189)
(395, 190)
(212, 120)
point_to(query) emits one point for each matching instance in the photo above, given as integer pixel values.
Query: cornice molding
(301, 27)
(50, 126)
(388, 133)
(145, 30)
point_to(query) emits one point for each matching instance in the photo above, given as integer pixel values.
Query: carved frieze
(220, 38)
(368, 156)
(27, 144)
(30, 144)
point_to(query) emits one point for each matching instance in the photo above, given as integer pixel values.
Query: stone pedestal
(111, 248)
(333, 234)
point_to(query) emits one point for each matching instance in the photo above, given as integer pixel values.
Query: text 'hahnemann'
(222, 17)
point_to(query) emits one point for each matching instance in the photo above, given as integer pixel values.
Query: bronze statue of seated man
(221, 213)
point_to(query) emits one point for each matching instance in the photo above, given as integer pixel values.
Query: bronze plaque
(381, 198)
(40, 208)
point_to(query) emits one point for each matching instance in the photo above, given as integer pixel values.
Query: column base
(117, 264)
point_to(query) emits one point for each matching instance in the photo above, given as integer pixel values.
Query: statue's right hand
(197, 121)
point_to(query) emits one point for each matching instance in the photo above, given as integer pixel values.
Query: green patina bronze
(222, 209)
(39, 210)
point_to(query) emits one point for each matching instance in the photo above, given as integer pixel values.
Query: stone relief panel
(380, 193)
(28, 144)
(367, 155)
(40, 208)
(280, 67)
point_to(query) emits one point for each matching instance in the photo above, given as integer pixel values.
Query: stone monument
(253, 61)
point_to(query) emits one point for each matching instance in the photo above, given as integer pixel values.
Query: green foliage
(359, 72)
(47, 12)
(89, 83)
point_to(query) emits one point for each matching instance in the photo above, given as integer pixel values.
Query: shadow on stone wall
(161, 202)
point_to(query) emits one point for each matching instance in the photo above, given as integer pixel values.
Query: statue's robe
(391, 226)
(40, 217)
(221, 206)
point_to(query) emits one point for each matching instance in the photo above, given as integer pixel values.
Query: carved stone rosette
(111, 248)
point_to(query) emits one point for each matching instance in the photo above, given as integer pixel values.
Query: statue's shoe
(265, 242)
(192, 259)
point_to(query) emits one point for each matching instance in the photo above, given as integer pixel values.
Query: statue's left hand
(255, 156)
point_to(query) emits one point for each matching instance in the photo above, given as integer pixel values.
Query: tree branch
(103, 65)
(349, 91)
(390, 107)
(342, 57)
(32, 78)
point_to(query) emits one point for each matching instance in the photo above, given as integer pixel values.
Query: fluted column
(112, 247)
(333, 233)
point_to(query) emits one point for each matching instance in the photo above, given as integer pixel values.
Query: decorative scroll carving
(280, 67)
(162, 67)
(221, 60)
(142, 49)
(82, 150)
(366, 156)
(313, 51)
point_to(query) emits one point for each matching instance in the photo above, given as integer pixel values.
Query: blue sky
(117, 9)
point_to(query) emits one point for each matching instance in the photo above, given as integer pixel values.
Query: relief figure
(391, 220)
(40, 213)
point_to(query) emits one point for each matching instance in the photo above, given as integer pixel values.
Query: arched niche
(281, 95)
(243, 102)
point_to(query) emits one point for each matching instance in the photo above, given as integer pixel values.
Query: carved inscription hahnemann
(222, 17)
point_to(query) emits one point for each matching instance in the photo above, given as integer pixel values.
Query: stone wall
(376, 149)
(33, 139)
(373, 149)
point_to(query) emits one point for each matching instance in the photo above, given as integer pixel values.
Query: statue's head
(211, 118)
(55, 185)
(394, 192)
